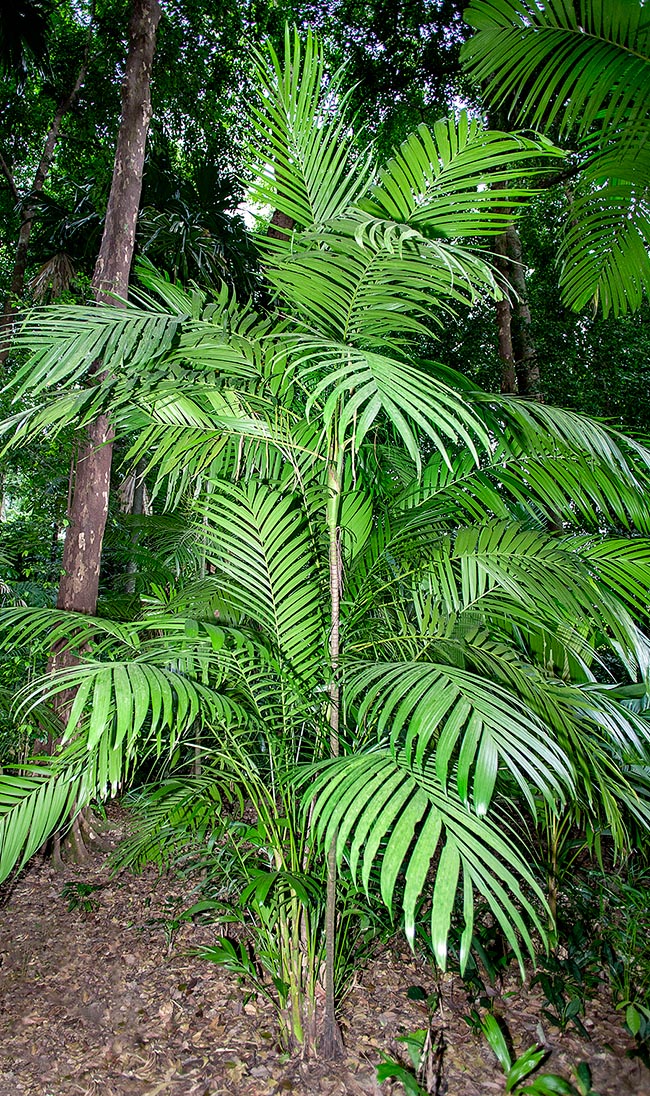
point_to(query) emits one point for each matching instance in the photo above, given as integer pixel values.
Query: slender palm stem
(332, 1043)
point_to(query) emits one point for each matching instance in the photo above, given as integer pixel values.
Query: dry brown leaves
(96, 1003)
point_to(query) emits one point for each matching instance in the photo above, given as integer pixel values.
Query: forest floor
(99, 1003)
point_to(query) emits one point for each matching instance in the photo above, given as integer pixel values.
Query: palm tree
(583, 69)
(377, 613)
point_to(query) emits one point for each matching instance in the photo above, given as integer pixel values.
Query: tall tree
(194, 144)
(89, 506)
(79, 585)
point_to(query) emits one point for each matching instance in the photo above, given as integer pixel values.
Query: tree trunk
(504, 319)
(504, 306)
(89, 508)
(519, 365)
(281, 226)
(525, 352)
(113, 266)
(79, 585)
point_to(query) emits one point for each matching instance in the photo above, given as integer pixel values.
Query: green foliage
(518, 1072)
(589, 64)
(79, 896)
(521, 1076)
(331, 484)
(425, 1047)
(23, 37)
(586, 70)
(401, 61)
(201, 78)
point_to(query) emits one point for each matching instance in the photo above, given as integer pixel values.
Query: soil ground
(98, 1003)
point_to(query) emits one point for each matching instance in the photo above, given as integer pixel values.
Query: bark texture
(113, 265)
(88, 511)
(525, 352)
(519, 364)
(281, 226)
(504, 320)
(79, 585)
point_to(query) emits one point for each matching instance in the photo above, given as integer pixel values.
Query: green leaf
(526, 1063)
(302, 156)
(633, 1019)
(496, 1039)
(548, 64)
(380, 825)
(444, 893)
(439, 180)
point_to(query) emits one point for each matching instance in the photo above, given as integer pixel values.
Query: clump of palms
(374, 640)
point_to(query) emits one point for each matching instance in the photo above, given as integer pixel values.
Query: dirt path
(96, 1003)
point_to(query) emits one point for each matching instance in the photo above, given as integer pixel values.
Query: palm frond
(610, 746)
(386, 813)
(154, 675)
(589, 70)
(356, 387)
(623, 565)
(48, 792)
(366, 288)
(443, 712)
(547, 61)
(576, 433)
(524, 482)
(605, 255)
(32, 805)
(302, 154)
(259, 539)
(65, 343)
(173, 813)
(525, 575)
(439, 179)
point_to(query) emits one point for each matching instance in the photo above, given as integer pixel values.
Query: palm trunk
(332, 1042)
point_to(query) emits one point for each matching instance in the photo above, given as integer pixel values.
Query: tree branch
(556, 177)
(9, 176)
(53, 134)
